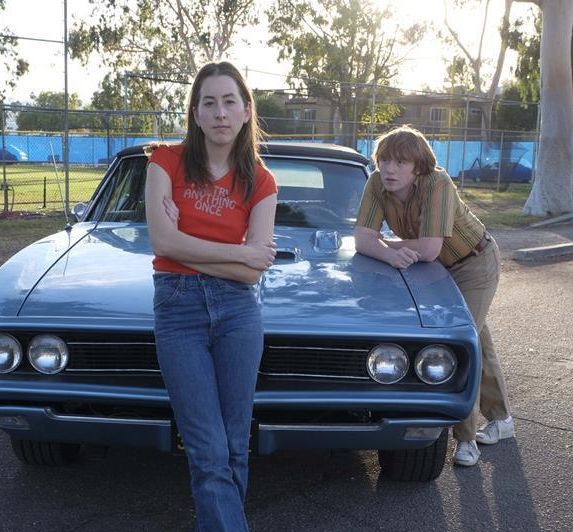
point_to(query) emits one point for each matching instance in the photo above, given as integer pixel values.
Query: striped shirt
(433, 209)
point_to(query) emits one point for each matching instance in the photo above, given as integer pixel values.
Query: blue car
(358, 355)
(12, 154)
(500, 166)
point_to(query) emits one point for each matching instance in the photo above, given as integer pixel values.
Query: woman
(421, 205)
(210, 206)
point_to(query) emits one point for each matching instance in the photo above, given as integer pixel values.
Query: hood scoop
(288, 254)
(326, 241)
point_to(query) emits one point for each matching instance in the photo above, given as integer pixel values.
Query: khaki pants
(477, 278)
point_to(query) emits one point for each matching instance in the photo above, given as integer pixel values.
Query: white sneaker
(496, 430)
(466, 453)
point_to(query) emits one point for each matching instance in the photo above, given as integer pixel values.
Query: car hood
(23, 270)
(107, 274)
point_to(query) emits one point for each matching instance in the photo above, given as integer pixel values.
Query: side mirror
(79, 210)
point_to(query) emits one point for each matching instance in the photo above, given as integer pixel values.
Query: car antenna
(68, 227)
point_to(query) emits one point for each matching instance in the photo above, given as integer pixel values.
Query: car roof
(302, 149)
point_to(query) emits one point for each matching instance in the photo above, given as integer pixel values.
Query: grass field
(17, 232)
(497, 209)
(35, 186)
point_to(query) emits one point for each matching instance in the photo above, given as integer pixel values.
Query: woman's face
(221, 112)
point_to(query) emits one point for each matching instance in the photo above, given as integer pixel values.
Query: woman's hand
(171, 210)
(259, 255)
(403, 257)
(254, 254)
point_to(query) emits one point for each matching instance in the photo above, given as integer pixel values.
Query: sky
(424, 66)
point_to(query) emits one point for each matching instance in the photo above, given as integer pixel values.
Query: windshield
(312, 193)
(317, 193)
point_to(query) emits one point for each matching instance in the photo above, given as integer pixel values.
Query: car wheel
(415, 464)
(45, 453)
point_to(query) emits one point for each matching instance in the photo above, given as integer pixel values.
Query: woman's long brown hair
(244, 155)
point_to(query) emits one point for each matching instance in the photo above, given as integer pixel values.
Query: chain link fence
(34, 176)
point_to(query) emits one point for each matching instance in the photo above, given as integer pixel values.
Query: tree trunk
(486, 114)
(552, 191)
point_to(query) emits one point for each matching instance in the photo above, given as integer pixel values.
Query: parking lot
(522, 485)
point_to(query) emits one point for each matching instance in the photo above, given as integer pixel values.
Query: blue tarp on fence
(481, 160)
(88, 150)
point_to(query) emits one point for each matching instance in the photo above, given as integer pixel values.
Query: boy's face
(397, 176)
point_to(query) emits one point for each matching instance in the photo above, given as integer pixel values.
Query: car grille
(303, 361)
(138, 355)
(112, 356)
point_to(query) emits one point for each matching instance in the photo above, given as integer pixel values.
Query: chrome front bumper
(43, 423)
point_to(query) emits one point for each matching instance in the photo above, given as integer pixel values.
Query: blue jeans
(209, 338)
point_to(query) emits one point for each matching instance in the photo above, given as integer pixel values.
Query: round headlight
(48, 354)
(435, 364)
(387, 363)
(10, 353)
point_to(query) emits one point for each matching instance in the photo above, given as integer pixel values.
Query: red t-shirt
(212, 213)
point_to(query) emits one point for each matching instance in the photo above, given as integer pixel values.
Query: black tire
(421, 465)
(45, 453)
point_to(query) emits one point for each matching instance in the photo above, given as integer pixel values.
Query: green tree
(528, 48)
(458, 75)
(384, 113)
(160, 43)
(467, 69)
(340, 50)
(46, 114)
(13, 65)
(512, 114)
(271, 113)
(110, 100)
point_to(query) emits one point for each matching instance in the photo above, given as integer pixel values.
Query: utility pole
(4, 184)
(66, 114)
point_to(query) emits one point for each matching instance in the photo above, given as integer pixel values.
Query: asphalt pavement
(530, 244)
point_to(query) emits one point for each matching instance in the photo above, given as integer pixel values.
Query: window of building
(310, 114)
(438, 114)
(412, 112)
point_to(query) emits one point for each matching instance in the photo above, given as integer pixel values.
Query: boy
(420, 203)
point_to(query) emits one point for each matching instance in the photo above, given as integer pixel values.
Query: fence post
(107, 118)
(4, 179)
(372, 111)
(125, 109)
(448, 150)
(500, 160)
(355, 111)
(535, 155)
(465, 140)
